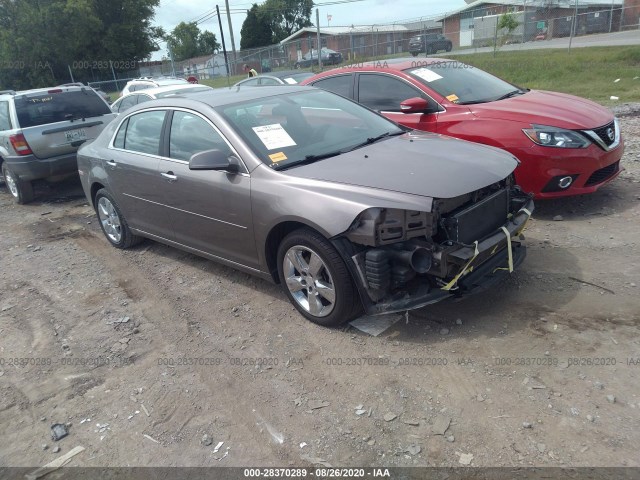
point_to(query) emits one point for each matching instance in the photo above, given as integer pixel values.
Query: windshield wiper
(371, 140)
(510, 94)
(308, 159)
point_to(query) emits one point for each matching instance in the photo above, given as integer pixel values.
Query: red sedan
(566, 145)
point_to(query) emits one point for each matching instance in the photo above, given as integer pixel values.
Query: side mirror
(414, 105)
(214, 160)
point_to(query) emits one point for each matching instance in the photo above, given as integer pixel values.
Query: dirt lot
(498, 370)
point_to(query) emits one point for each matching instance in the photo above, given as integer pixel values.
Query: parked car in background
(102, 94)
(328, 56)
(148, 82)
(346, 210)
(275, 78)
(132, 99)
(566, 145)
(41, 131)
(429, 43)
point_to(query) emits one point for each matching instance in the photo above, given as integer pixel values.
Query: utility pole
(574, 27)
(318, 35)
(233, 42)
(224, 48)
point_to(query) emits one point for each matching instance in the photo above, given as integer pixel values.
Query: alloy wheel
(110, 220)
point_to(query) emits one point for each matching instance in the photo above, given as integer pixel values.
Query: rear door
(58, 121)
(134, 179)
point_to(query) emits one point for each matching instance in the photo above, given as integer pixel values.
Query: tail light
(20, 144)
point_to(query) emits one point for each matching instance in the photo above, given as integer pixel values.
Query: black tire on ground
(346, 304)
(415, 54)
(124, 238)
(20, 190)
(449, 47)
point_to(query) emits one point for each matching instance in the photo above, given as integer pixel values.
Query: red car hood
(546, 108)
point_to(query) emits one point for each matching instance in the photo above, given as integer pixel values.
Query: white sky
(365, 12)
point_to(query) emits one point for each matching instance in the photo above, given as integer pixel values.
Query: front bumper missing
(484, 264)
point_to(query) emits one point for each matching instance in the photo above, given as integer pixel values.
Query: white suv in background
(148, 82)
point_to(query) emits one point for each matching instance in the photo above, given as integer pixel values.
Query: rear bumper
(30, 168)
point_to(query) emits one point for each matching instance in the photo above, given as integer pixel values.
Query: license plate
(75, 135)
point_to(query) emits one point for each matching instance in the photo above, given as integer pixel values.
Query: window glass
(461, 83)
(43, 108)
(269, 81)
(383, 92)
(250, 83)
(287, 129)
(5, 122)
(340, 84)
(191, 134)
(118, 142)
(143, 132)
(128, 102)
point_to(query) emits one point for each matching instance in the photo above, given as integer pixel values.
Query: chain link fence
(556, 22)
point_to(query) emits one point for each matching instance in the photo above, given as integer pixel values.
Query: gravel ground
(153, 356)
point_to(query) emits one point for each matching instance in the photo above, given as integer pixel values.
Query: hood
(546, 108)
(416, 163)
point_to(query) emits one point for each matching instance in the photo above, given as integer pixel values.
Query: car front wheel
(316, 279)
(112, 222)
(20, 190)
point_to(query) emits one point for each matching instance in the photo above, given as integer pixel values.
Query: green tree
(286, 16)
(41, 40)
(256, 29)
(187, 41)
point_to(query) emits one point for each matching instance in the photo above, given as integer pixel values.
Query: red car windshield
(461, 83)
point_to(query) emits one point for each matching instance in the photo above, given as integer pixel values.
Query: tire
(307, 260)
(20, 190)
(449, 47)
(112, 222)
(415, 54)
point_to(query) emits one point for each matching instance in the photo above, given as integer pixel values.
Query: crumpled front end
(403, 260)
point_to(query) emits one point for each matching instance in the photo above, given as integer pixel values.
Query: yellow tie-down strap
(509, 252)
(467, 268)
(524, 225)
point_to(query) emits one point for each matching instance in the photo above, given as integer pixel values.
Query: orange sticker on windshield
(277, 157)
(453, 98)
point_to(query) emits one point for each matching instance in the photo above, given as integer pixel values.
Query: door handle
(112, 164)
(169, 176)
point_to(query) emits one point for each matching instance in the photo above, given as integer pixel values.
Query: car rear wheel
(316, 279)
(20, 190)
(449, 47)
(113, 224)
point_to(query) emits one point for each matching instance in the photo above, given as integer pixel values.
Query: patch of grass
(586, 72)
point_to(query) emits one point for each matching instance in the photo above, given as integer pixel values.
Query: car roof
(392, 64)
(37, 91)
(165, 88)
(223, 96)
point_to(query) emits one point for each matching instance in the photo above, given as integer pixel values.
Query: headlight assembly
(556, 137)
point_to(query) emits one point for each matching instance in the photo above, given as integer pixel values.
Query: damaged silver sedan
(349, 212)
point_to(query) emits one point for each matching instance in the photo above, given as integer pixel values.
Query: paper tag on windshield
(426, 74)
(290, 81)
(277, 157)
(274, 136)
(453, 98)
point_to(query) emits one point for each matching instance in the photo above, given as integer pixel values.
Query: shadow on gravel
(531, 292)
(62, 191)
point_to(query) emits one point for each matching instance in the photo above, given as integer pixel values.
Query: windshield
(461, 83)
(287, 129)
(44, 108)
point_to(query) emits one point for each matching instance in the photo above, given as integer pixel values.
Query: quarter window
(190, 134)
(127, 102)
(383, 92)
